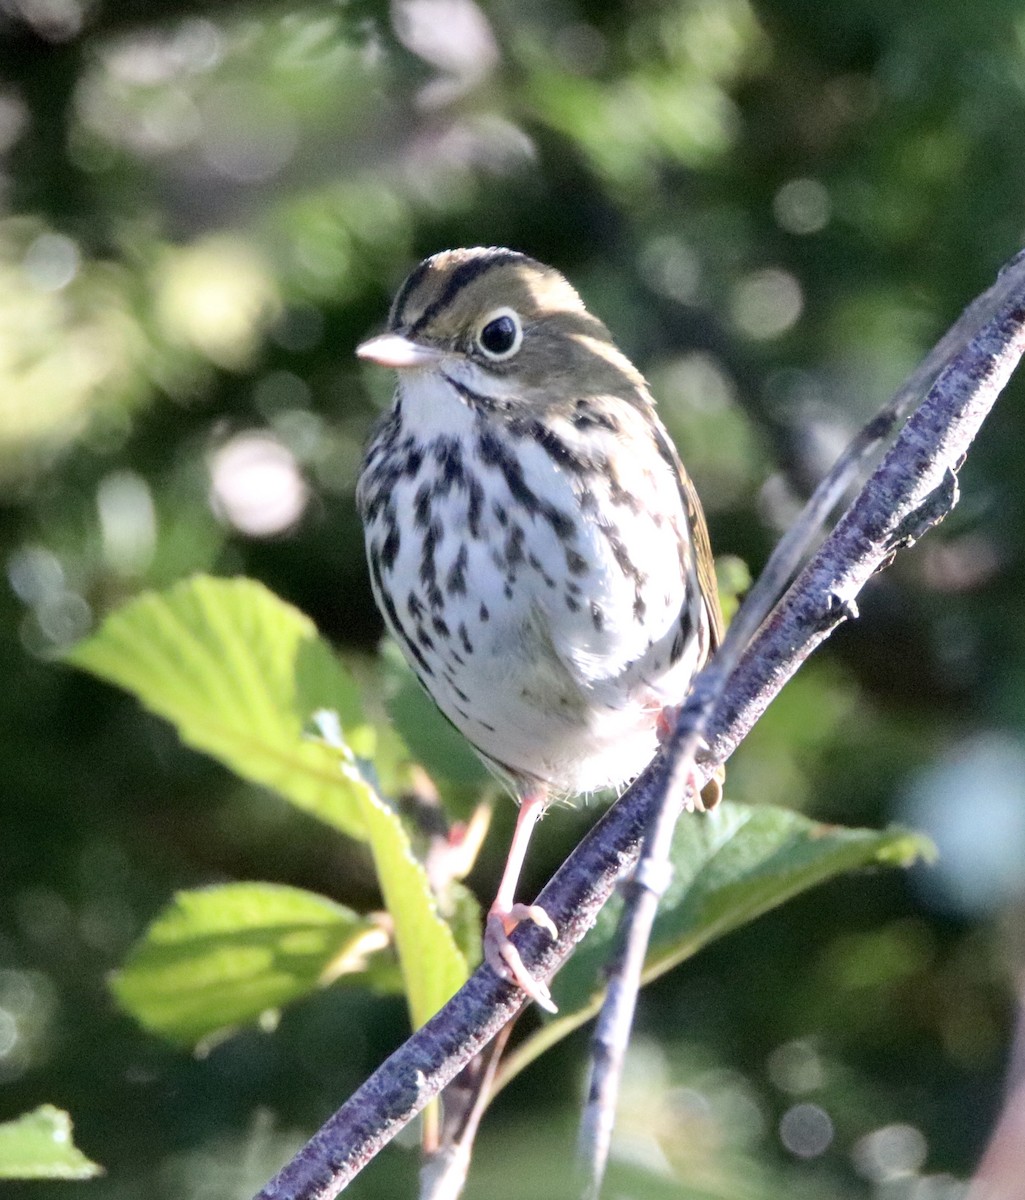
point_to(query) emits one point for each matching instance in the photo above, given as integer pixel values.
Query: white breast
(539, 606)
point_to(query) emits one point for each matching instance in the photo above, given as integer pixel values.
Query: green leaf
(38, 1145)
(220, 957)
(463, 914)
(433, 968)
(730, 866)
(239, 673)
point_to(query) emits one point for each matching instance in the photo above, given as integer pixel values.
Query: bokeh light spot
(767, 303)
(128, 521)
(890, 1152)
(802, 206)
(54, 20)
(671, 267)
(971, 802)
(219, 297)
(8, 1033)
(247, 131)
(64, 618)
(34, 573)
(806, 1130)
(13, 119)
(256, 485)
(27, 1009)
(51, 262)
(796, 1067)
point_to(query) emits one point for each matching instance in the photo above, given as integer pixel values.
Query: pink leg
(505, 914)
(701, 797)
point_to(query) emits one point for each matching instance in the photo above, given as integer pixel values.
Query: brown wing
(703, 562)
(704, 568)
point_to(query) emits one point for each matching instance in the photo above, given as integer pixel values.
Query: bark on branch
(913, 487)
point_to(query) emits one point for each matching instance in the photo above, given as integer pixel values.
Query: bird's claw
(503, 957)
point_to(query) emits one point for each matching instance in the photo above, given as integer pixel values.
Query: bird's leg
(505, 914)
(702, 796)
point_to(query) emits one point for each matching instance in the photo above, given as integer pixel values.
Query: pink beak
(393, 350)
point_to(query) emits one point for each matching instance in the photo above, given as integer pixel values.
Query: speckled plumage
(534, 543)
(530, 532)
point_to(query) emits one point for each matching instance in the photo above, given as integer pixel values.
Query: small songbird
(535, 546)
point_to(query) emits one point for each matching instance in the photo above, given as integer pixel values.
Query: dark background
(777, 207)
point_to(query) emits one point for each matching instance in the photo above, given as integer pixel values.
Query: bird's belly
(522, 622)
(531, 719)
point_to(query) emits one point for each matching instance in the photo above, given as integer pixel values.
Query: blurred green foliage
(777, 207)
(38, 1145)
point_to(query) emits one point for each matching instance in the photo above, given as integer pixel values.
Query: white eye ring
(504, 330)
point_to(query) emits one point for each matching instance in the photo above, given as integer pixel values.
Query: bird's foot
(702, 795)
(503, 957)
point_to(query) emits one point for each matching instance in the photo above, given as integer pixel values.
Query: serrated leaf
(433, 968)
(464, 919)
(39, 1145)
(239, 673)
(220, 957)
(730, 866)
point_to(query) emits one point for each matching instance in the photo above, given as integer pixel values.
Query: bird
(534, 544)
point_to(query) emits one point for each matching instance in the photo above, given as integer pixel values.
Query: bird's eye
(501, 334)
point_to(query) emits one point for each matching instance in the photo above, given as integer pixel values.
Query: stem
(909, 491)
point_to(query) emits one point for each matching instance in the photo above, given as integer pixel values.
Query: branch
(653, 873)
(912, 488)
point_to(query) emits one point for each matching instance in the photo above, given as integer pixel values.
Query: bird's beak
(394, 350)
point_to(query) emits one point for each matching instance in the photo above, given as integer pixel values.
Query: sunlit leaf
(433, 968)
(239, 673)
(464, 919)
(730, 866)
(38, 1145)
(221, 957)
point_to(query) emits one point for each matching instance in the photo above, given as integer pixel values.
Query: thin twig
(653, 873)
(929, 448)
(443, 1175)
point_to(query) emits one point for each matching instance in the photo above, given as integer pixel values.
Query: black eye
(501, 334)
